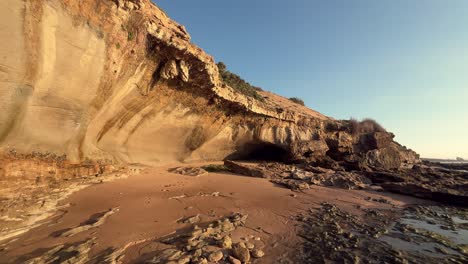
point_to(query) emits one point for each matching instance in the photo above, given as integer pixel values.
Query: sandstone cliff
(119, 80)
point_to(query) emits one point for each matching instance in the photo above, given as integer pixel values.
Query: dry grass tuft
(297, 100)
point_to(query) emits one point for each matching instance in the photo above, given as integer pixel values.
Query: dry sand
(150, 204)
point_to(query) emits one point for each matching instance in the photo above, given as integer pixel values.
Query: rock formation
(94, 90)
(119, 80)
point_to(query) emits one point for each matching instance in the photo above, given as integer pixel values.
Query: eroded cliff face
(120, 80)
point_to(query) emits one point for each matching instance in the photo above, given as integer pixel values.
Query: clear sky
(401, 62)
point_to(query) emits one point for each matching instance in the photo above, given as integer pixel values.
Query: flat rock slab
(247, 169)
(189, 171)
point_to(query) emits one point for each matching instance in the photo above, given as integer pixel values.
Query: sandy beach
(150, 204)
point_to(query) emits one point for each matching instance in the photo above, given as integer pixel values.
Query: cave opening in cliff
(260, 151)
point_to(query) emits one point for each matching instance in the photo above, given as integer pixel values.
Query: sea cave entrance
(260, 151)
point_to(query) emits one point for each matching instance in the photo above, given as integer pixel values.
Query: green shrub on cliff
(236, 82)
(130, 36)
(297, 100)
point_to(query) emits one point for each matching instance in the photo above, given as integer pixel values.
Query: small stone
(210, 249)
(301, 175)
(257, 238)
(198, 253)
(196, 232)
(226, 242)
(241, 252)
(171, 254)
(303, 186)
(227, 226)
(191, 220)
(215, 256)
(233, 260)
(257, 253)
(184, 260)
(249, 245)
(202, 261)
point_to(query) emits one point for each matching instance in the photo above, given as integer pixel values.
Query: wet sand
(151, 203)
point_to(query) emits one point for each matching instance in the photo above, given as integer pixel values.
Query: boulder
(304, 150)
(233, 260)
(216, 256)
(376, 140)
(340, 144)
(169, 70)
(258, 253)
(226, 242)
(241, 252)
(386, 158)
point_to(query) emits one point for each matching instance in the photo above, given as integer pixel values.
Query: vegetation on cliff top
(236, 82)
(297, 100)
(365, 126)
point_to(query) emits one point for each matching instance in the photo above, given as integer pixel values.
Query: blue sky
(401, 62)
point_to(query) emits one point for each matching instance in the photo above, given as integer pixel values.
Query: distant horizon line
(455, 159)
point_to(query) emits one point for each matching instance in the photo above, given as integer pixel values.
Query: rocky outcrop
(334, 235)
(248, 169)
(36, 184)
(369, 151)
(299, 177)
(208, 243)
(454, 195)
(119, 80)
(446, 185)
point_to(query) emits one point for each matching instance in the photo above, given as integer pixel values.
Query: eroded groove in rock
(69, 253)
(93, 222)
(37, 182)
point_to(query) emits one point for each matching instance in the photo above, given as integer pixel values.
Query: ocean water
(447, 161)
